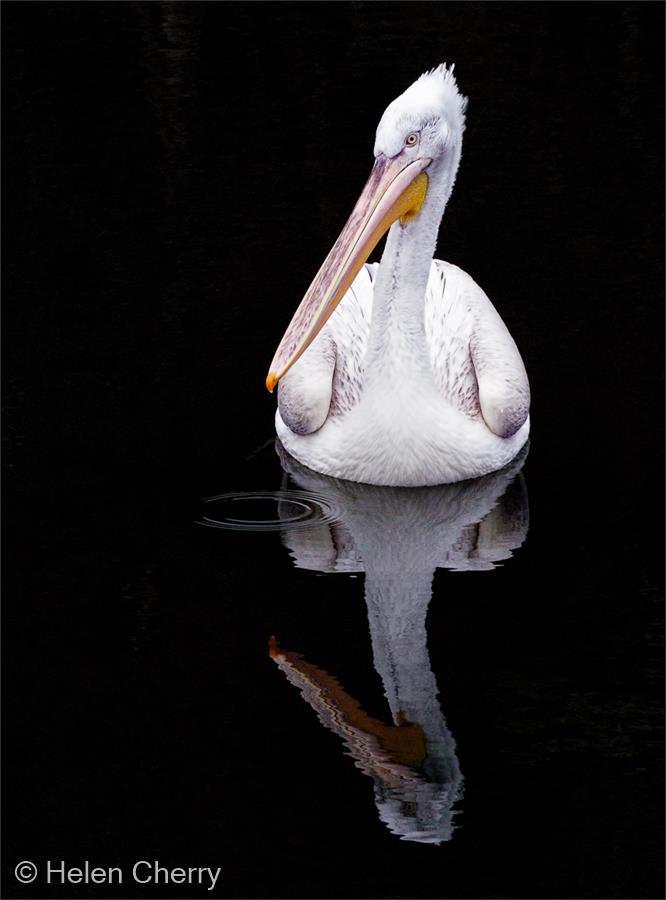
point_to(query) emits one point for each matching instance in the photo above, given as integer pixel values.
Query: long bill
(395, 190)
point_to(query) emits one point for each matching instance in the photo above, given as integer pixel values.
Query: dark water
(173, 175)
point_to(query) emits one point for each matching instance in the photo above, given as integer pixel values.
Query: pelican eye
(412, 139)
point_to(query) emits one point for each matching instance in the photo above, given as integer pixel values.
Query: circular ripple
(267, 510)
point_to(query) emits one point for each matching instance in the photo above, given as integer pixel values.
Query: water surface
(379, 693)
(397, 537)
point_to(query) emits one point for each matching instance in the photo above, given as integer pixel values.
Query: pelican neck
(397, 339)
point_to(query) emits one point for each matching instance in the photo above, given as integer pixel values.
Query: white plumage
(413, 379)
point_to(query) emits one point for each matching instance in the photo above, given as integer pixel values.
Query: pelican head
(417, 152)
(425, 125)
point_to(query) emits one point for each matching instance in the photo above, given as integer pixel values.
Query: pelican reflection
(398, 537)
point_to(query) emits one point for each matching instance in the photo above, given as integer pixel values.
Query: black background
(174, 173)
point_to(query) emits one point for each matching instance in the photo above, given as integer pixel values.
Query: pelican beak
(395, 190)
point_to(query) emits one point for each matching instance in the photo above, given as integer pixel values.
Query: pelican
(401, 373)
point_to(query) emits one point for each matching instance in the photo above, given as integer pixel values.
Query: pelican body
(401, 373)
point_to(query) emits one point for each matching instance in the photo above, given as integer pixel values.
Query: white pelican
(401, 373)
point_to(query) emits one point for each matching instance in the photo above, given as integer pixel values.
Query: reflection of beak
(389, 752)
(395, 190)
